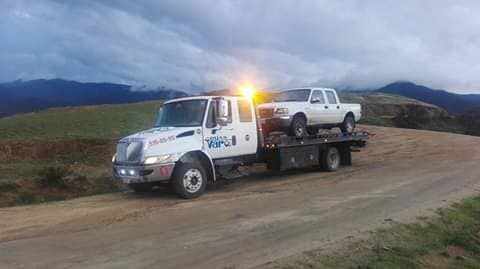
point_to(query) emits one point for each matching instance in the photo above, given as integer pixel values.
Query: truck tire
(141, 187)
(189, 180)
(330, 159)
(298, 127)
(348, 124)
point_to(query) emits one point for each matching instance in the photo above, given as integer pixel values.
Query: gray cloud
(194, 44)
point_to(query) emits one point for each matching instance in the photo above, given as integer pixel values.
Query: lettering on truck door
(220, 141)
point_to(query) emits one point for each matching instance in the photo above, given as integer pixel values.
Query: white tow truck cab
(194, 136)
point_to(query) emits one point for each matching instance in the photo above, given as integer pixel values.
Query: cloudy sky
(199, 44)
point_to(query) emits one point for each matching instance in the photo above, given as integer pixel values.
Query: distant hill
(399, 111)
(27, 96)
(453, 103)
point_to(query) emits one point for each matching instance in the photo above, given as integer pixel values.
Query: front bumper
(129, 174)
(276, 124)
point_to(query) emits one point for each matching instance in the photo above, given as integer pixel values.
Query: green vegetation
(449, 240)
(98, 122)
(64, 153)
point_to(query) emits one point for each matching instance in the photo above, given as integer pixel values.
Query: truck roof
(203, 97)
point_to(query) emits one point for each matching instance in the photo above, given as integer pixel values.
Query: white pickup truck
(194, 136)
(302, 111)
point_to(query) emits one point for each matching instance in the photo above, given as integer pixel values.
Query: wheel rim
(192, 180)
(299, 129)
(333, 158)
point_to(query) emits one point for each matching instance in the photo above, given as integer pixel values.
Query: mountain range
(452, 102)
(33, 95)
(27, 96)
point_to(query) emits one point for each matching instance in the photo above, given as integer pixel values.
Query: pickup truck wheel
(140, 187)
(348, 125)
(189, 180)
(331, 159)
(299, 127)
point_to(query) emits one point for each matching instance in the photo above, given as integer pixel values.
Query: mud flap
(345, 155)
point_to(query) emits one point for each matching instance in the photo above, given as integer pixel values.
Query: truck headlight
(167, 158)
(281, 111)
(114, 157)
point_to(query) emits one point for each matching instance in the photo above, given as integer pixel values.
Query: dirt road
(251, 221)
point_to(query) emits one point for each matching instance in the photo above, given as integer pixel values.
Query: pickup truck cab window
(300, 95)
(317, 97)
(332, 99)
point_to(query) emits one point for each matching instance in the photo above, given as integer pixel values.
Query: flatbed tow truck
(194, 137)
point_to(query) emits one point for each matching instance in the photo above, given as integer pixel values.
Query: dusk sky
(211, 44)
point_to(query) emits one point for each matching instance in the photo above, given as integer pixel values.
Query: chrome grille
(266, 113)
(129, 151)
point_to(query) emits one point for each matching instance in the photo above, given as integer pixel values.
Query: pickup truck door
(238, 137)
(319, 108)
(334, 107)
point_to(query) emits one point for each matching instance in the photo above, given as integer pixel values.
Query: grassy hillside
(98, 122)
(64, 153)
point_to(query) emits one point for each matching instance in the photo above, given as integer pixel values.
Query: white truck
(306, 110)
(194, 136)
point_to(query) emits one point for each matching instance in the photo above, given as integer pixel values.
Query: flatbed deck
(281, 140)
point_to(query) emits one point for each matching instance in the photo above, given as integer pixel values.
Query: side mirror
(222, 112)
(315, 100)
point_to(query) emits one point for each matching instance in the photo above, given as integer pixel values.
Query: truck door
(246, 125)
(319, 108)
(334, 108)
(231, 139)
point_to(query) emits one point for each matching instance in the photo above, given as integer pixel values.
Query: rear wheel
(348, 125)
(331, 159)
(298, 127)
(189, 180)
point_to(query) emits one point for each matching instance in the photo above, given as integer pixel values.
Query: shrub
(53, 176)
(25, 198)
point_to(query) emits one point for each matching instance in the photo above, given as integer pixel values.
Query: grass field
(65, 152)
(99, 122)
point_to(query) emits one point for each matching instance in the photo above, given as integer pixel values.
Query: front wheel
(348, 125)
(298, 127)
(189, 180)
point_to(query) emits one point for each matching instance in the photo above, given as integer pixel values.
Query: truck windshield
(293, 96)
(181, 114)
